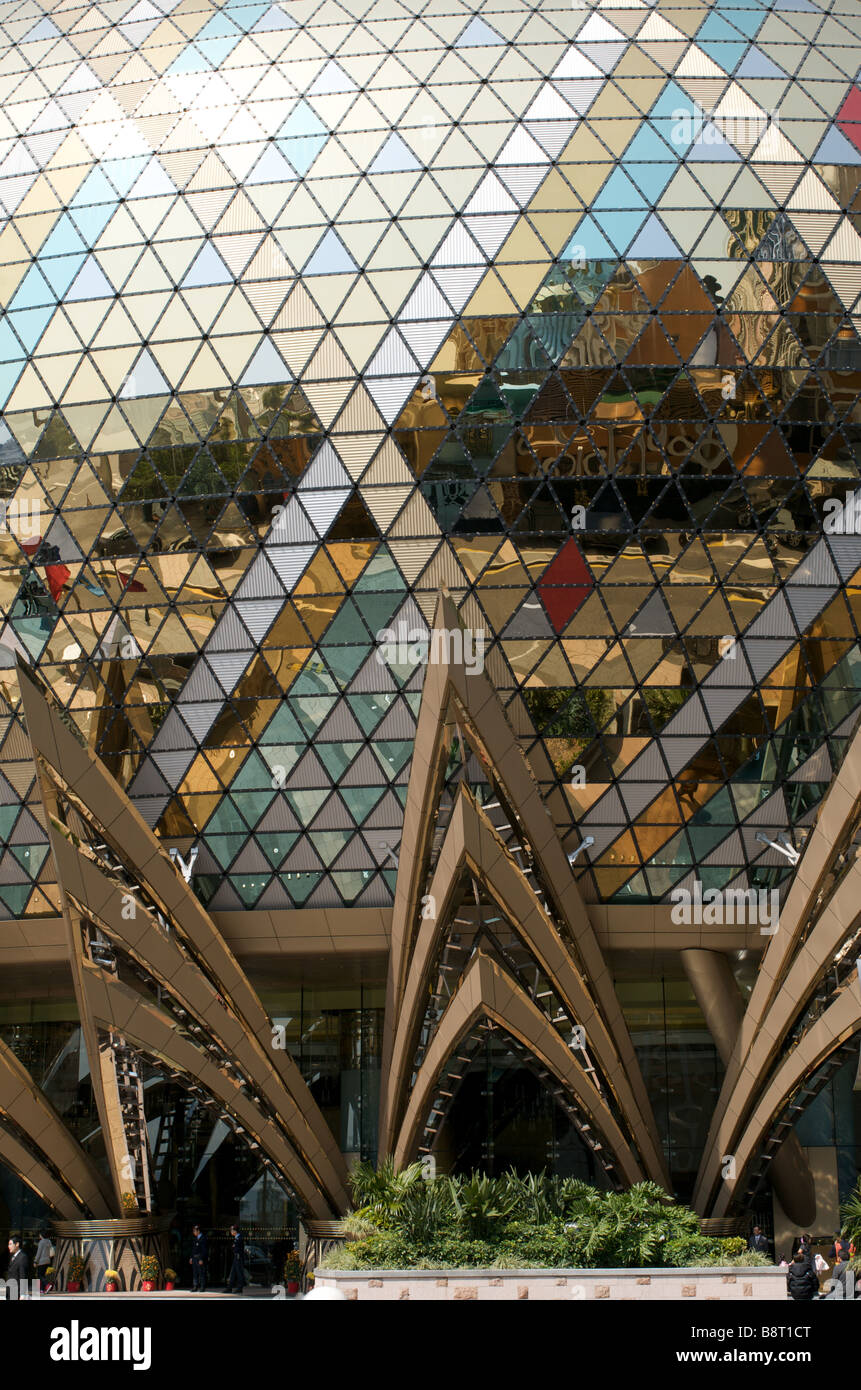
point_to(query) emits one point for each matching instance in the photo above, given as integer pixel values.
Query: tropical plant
(480, 1203)
(355, 1226)
(850, 1213)
(535, 1197)
(150, 1269)
(292, 1266)
(380, 1193)
(429, 1207)
(112, 1276)
(129, 1204)
(170, 1274)
(539, 1198)
(408, 1220)
(629, 1228)
(77, 1268)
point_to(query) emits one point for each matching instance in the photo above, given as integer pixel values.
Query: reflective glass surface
(307, 309)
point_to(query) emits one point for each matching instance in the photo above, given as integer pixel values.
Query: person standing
(842, 1279)
(44, 1256)
(802, 1282)
(803, 1245)
(758, 1242)
(839, 1250)
(18, 1273)
(237, 1268)
(199, 1253)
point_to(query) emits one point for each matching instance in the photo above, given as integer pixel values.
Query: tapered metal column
(102, 1071)
(710, 976)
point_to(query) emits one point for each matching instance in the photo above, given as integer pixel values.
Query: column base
(113, 1244)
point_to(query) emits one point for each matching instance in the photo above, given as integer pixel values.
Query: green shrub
(617, 1230)
(456, 1253)
(693, 1250)
(702, 1250)
(540, 1246)
(382, 1250)
(481, 1204)
(538, 1198)
(393, 1250)
(407, 1221)
(381, 1194)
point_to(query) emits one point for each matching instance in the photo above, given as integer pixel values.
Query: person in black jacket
(18, 1273)
(803, 1245)
(199, 1252)
(237, 1268)
(758, 1242)
(802, 1282)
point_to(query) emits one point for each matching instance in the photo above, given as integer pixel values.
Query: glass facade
(503, 1118)
(308, 309)
(680, 1066)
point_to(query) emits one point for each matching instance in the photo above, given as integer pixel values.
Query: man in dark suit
(18, 1273)
(199, 1253)
(758, 1242)
(237, 1268)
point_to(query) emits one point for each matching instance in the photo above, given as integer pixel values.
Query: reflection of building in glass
(306, 321)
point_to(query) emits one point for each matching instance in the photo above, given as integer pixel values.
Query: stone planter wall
(556, 1285)
(114, 1244)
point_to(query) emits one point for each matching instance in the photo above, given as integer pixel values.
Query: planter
(110, 1286)
(169, 1284)
(739, 1282)
(73, 1286)
(293, 1287)
(148, 1285)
